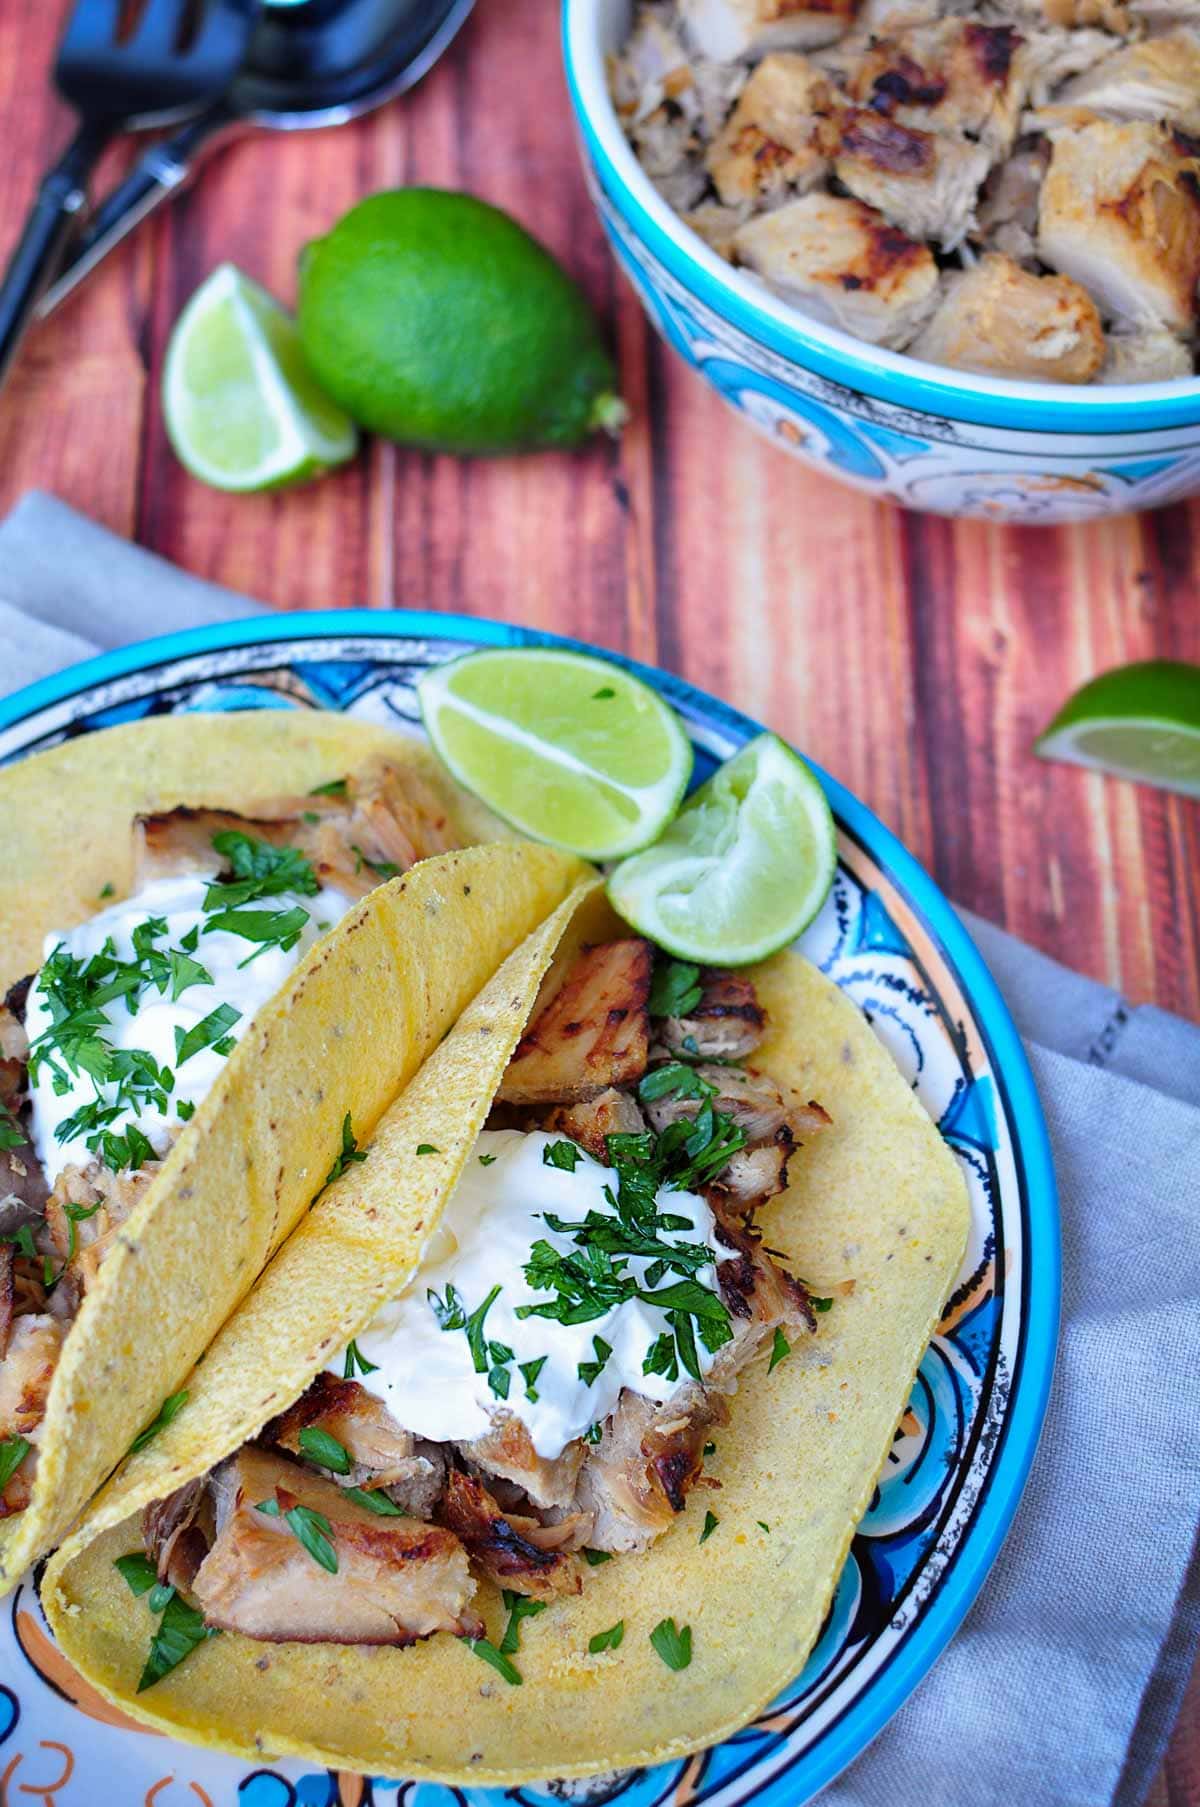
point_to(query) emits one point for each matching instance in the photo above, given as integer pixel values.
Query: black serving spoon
(119, 66)
(310, 63)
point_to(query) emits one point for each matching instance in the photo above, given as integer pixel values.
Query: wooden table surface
(914, 657)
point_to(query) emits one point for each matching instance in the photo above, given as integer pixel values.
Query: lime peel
(1140, 722)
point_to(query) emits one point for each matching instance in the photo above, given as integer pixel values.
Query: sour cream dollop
(152, 1023)
(425, 1374)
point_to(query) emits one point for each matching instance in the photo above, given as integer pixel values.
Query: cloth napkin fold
(1065, 1680)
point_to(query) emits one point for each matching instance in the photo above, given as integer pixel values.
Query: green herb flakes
(167, 1412)
(375, 1501)
(564, 1155)
(323, 1449)
(311, 1529)
(780, 1348)
(672, 1643)
(181, 1630)
(594, 1558)
(607, 1640)
(210, 1032)
(674, 991)
(348, 1153)
(427, 1148)
(357, 1361)
(518, 1607)
(13, 1451)
(500, 1663)
(138, 1573)
(711, 1521)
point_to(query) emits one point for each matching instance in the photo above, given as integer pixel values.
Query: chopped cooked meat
(727, 30)
(753, 1175)
(717, 225)
(8, 1256)
(1120, 213)
(1158, 79)
(653, 67)
(507, 1451)
(594, 1033)
(381, 1453)
(842, 262)
(1113, 16)
(726, 1024)
(1007, 213)
(590, 1124)
(1051, 56)
(178, 1532)
(383, 823)
(775, 142)
(950, 77)
(513, 1550)
(34, 1342)
(1005, 321)
(923, 182)
(752, 1100)
(1148, 355)
(397, 1579)
(86, 1209)
(21, 1176)
(761, 1296)
(649, 1456)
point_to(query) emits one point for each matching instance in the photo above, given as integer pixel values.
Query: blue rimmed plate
(962, 1451)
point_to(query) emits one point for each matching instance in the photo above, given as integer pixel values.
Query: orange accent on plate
(156, 1788)
(45, 1790)
(54, 1668)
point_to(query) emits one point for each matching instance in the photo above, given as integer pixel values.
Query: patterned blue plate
(963, 1449)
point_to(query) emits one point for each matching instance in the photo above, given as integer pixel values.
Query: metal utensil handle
(40, 248)
(156, 175)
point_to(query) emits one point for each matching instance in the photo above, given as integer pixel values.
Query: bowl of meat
(946, 252)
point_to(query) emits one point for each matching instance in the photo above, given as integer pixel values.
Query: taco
(181, 902)
(587, 1373)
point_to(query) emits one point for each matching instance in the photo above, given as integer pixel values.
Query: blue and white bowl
(920, 434)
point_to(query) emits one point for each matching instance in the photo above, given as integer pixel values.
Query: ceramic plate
(963, 1449)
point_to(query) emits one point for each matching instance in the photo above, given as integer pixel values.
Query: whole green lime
(438, 321)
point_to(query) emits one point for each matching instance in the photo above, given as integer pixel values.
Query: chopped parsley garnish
(780, 1348)
(128, 1150)
(211, 1031)
(763, 1525)
(266, 928)
(607, 1640)
(486, 1160)
(674, 1080)
(518, 1607)
(335, 788)
(529, 1373)
(138, 1572)
(820, 1304)
(374, 1500)
(347, 1155)
(673, 1643)
(311, 1529)
(356, 1360)
(564, 1155)
(428, 1148)
(590, 1372)
(11, 1133)
(181, 1629)
(474, 1330)
(323, 1449)
(185, 1110)
(499, 1380)
(382, 868)
(13, 1452)
(500, 1663)
(23, 1238)
(594, 1433)
(107, 890)
(260, 870)
(170, 1409)
(710, 1449)
(185, 972)
(711, 1521)
(594, 1558)
(673, 990)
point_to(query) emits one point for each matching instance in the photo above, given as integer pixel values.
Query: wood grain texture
(914, 657)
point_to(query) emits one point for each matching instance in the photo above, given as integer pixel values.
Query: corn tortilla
(876, 1199)
(371, 1000)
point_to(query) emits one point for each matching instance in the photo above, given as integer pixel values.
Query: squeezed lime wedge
(569, 749)
(1140, 722)
(242, 409)
(743, 868)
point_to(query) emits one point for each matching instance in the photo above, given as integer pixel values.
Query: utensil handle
(40, 248)
(156, 175)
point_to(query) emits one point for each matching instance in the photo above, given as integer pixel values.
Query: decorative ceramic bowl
(918, 433)
(963, 1448)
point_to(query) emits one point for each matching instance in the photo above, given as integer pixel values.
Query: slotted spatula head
(148, 61)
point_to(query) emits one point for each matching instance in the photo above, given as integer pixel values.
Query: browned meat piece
(512, 1550)
(751, 1100)
(383, 824)
(613, 1113)
(507, 1452)
(717, 225)
(34, 1342)
(753, 1175)
(178, 1533)
(594, 1033)
(776, 141)
(21, 1176)
(842, 262)
(923, 182)
(726, 30)
(761, 1296)
(397, 1579)
(1005, 321)
(1008, 209)
(1120, 213)
(1156, 80)
(638, 1476)
(727, 1023)
(1148, 355)
(100, 1201)
(952, 76)
(381, 1453)
(7, 1292)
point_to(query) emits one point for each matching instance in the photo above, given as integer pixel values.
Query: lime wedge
(569, 749)
(242, 409)
(745, 865)
(1140, 722)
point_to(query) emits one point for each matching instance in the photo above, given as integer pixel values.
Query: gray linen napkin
(1065, 1680)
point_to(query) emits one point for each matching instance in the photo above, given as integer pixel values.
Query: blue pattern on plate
(960, 1455)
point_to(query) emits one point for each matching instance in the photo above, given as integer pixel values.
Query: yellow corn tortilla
(351, 1026)
(876, 1198)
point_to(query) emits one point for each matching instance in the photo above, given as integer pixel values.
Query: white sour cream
(425, 1375)
(152, 1024)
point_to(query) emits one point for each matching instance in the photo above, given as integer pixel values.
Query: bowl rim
(1053, 409)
